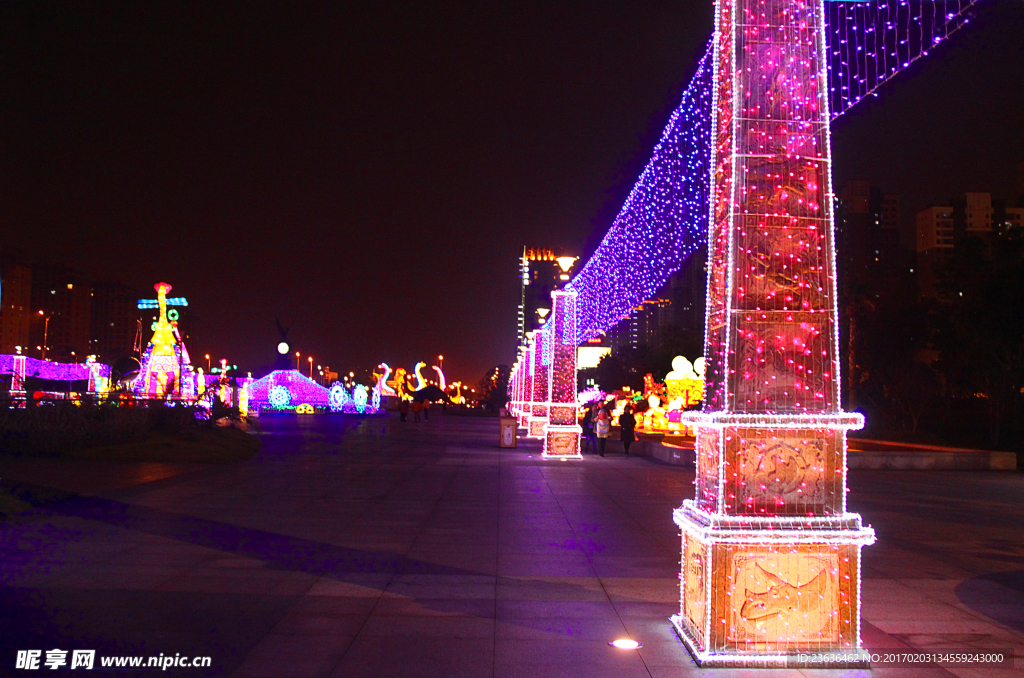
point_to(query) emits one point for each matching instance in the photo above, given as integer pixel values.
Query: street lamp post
(46, 330)
(207, 363)
(296, 361)
(311, 368)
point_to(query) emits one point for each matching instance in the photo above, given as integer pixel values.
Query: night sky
(369, 173)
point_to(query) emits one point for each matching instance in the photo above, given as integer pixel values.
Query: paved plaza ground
(366, 547)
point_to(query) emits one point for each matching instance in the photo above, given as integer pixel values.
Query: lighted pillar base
(562, 442)
(755, 595)
(535, 426)
(771, 558)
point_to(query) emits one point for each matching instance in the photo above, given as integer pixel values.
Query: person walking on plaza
(603, 426)
(426, 410)
(417, 407)
(588, 430)
(627, 424)
(403, 409)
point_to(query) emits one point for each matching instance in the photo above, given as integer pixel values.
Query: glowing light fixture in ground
(626, 644)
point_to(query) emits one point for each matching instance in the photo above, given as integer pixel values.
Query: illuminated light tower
(540, 366)
(529, 368)
(562, 432)
(524, 366)
(166, 369)
(770, 555)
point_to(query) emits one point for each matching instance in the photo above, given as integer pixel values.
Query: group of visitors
(597, 427)
(418, 407)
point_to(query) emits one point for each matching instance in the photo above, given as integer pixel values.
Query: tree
(494, 387)
(980, 326)
(613, 373)
(889, 367)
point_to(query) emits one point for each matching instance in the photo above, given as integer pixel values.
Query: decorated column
(520, 387)
(562, 432)
(770, 555)
(17, 389)
(529, 368)
(540, 370)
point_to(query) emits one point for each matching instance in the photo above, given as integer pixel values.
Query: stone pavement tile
(598, 670)
(333, 605)
(651, 630)
(471, 542)
(450, 562)
(659, 653)
(875, 638)
(642, 589)
(581, 589)
(308, 624)
(570, 564)
(444, 627)
(1008, 641)
(571, 651)
(467, 578)
(731, 672)
(416, 656)
(630, 610)
(994, 672)
(519, 609)
(910, 672)
(836, 673)
(288, 656)
(896, 565)
(640, 565)
(293, 584)
(209, 580)
(435, 607)
(888, 591)
(234, 562)
(904, 611)
(551, 628)
(352, 586)
(452, 589)
(964, 625)
(137, 577)
(677, 671)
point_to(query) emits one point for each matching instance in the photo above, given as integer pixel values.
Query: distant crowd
(597, 426)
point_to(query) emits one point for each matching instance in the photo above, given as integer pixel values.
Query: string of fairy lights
(661, 222)
(664, 218)
(870, 42)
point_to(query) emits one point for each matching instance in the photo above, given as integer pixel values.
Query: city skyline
(396, 196)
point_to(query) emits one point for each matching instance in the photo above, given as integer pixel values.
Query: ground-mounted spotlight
(626, 644)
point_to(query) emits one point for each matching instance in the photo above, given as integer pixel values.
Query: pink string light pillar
(770, 556)
(540, 377)
(562, 432)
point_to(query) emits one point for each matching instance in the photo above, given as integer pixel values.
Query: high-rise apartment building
(15, 305)
(868, 235)
(115, 320)
(62, 302)
(941, 228)
(642, 326)
(686, 290)
(541, 272)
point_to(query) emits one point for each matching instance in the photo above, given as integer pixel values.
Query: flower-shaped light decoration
(338, 397)
(279, 397)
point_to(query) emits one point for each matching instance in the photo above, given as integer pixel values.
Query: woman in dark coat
(588, 429)
(627, 424)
